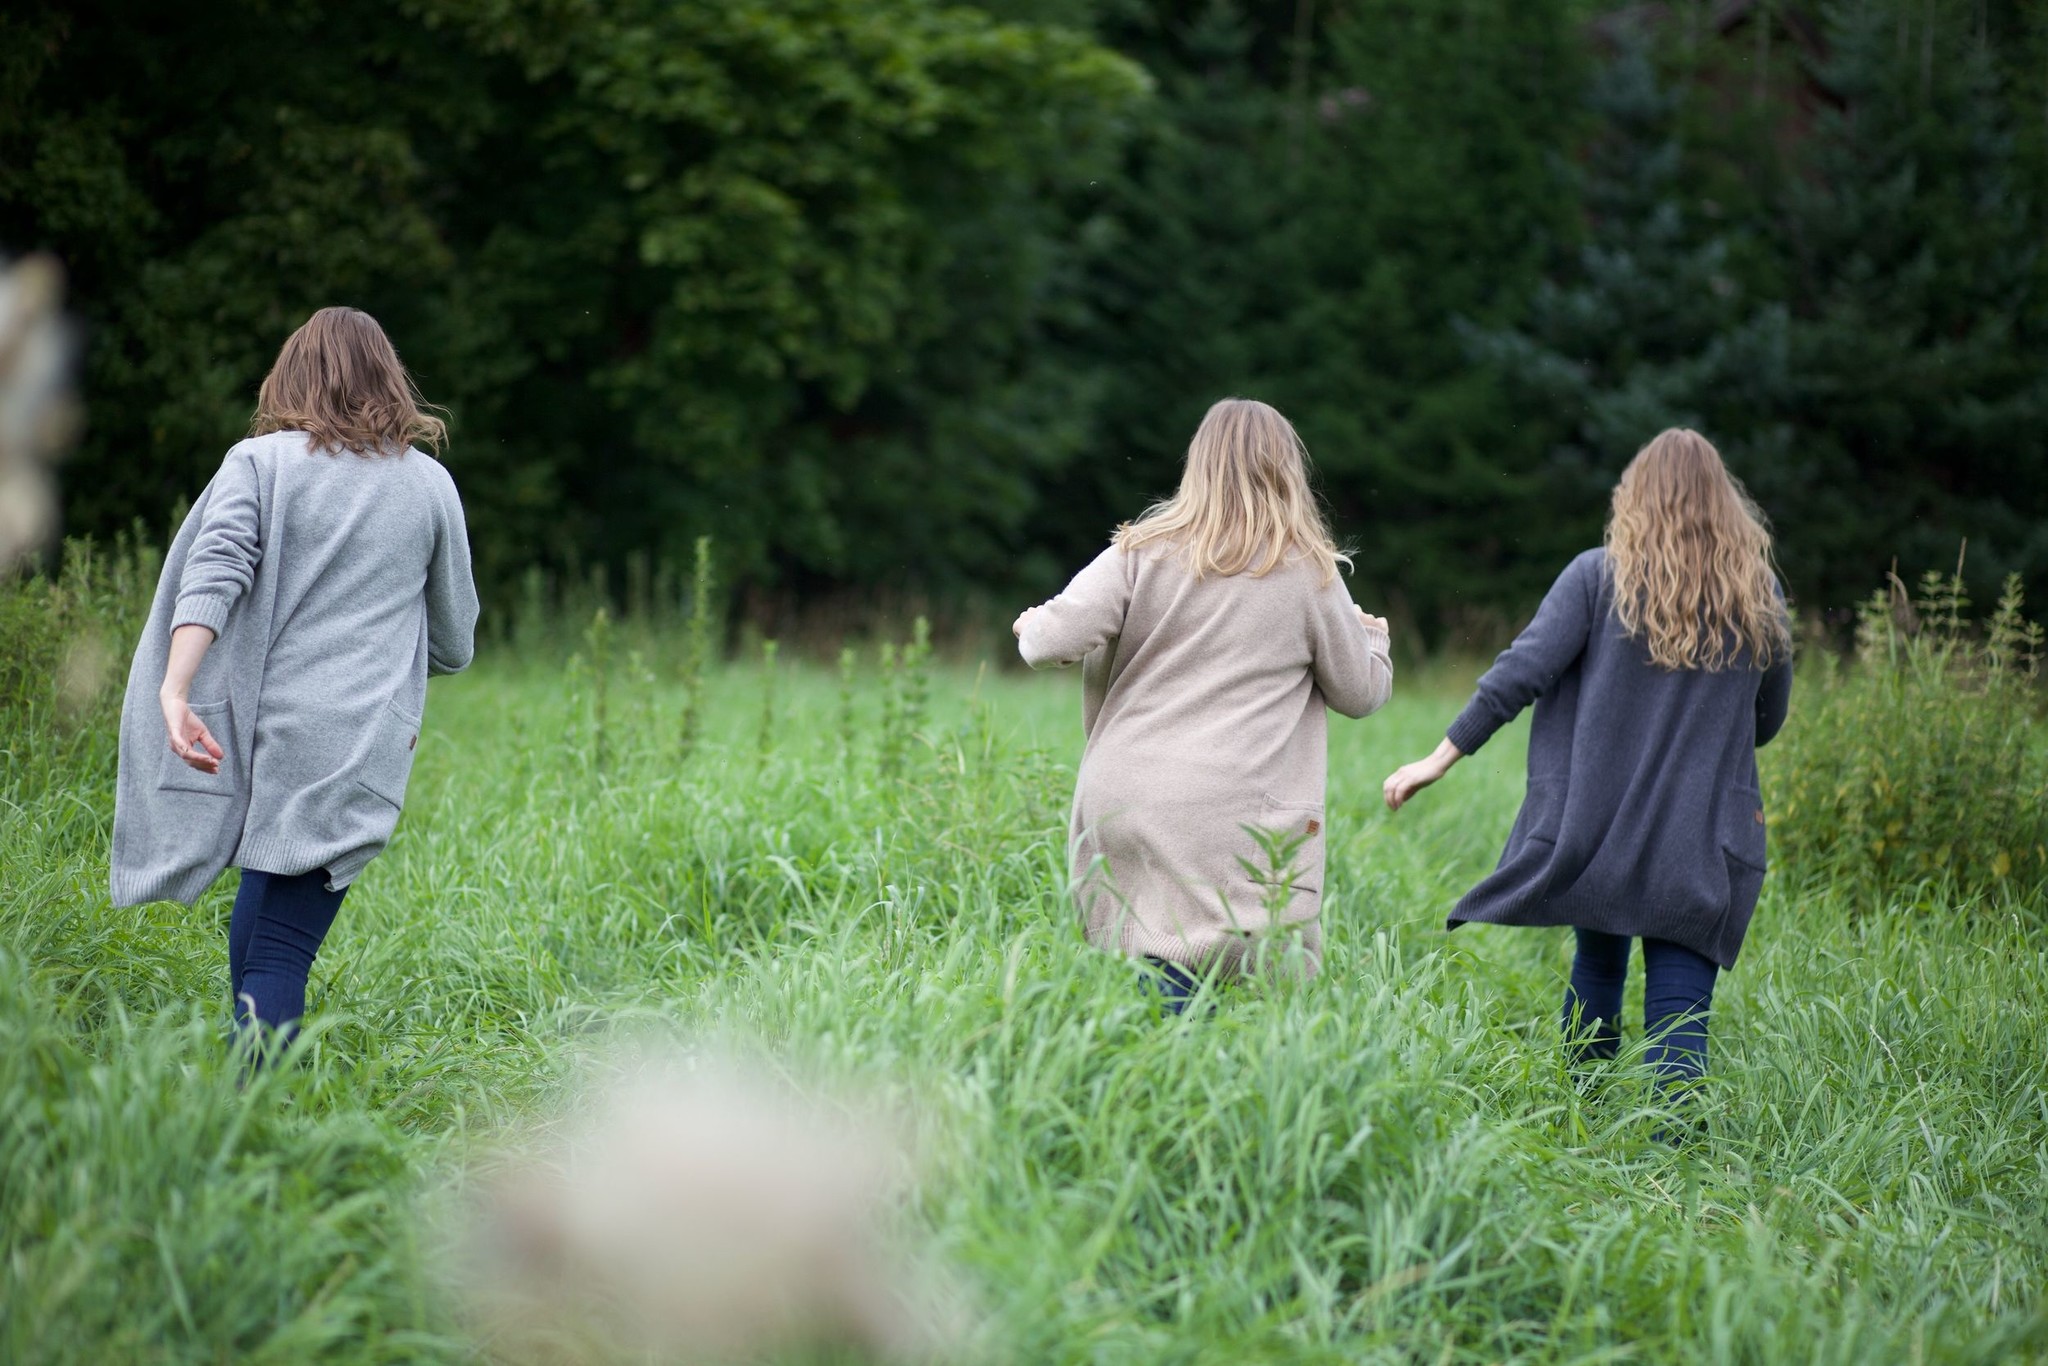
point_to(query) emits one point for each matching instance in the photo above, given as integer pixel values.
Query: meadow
(1389, 1164)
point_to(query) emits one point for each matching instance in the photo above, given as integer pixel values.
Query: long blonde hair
(339, 380)
(1244, 502)
(1690, 556)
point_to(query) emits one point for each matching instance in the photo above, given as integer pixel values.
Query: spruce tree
(1919, 338)
(1650, 321)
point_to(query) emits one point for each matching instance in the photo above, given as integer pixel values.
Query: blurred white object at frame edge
(38, 415)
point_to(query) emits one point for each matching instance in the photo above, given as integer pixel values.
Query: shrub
(1922, 760)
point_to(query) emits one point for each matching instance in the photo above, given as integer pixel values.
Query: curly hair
(1690, 556)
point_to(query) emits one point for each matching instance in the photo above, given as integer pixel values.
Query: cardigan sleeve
(451, 589)
(1353, 670)
(1527, 669)
(1773, 700)
(222, 562)
(1087, 614)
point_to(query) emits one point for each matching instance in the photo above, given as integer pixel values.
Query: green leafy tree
(670, 264)
(1188, 273)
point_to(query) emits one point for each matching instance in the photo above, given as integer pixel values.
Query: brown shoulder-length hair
(1690, 556)
(338, 379)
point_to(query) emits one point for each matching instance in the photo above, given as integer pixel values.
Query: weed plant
(1388, 1164)
(1921, 763)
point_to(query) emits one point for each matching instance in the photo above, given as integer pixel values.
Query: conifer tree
(1919, 336)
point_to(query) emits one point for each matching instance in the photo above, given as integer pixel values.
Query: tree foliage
(899, 295)
(755, 268)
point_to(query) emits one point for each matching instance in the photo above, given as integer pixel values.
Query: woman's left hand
(1017, 626)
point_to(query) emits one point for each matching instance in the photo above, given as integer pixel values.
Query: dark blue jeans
(1678, 988)
(1175, 984)
(277, 927)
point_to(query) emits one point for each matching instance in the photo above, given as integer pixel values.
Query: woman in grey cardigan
(1214, 636)
(1657, 666)
(276, 695)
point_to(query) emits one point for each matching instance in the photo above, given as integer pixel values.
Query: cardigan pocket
(1302, 824)
(178, 776)
(1743, 830)
(387, 766)
(1542, 813)
(1745, 885)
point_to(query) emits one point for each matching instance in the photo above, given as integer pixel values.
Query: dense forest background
(900, 298)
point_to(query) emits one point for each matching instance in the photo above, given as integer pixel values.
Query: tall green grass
(1389, 1164)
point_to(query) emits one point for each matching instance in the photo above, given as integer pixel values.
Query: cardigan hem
(291, 858)
(126, 889)
(1608, 919)
(1232, 950)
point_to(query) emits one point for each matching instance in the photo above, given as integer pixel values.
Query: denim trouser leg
(1678, 989)
(276, 930)
(1592, 1003)
(1175, 984)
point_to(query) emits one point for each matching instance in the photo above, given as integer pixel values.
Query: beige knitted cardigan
(1204, 708)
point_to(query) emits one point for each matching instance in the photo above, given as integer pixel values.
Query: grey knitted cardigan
(1206, 707)
(335, 584)
(1643, 815)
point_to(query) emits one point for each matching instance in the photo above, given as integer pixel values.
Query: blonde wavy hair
(339, 380)
(1244, 502)
(1690, 556)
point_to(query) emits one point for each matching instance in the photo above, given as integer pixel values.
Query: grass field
(1387, 1165)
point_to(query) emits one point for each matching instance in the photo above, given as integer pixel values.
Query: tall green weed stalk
(769, 650)
(917, 679)
(598, 640)
(849, 661)
(697, 653)
(890, 756)
(1923, 760)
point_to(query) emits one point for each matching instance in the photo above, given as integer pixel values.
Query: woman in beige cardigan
(1212, 634)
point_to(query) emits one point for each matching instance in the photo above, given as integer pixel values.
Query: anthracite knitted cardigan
(1643, 815)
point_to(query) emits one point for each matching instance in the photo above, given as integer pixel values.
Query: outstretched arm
(1530, 667)
(1523, 672)
(1087, 615)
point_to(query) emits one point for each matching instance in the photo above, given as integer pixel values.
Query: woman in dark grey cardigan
(1657, 666)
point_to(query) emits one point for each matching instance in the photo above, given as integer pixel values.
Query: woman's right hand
(190, 739)
(1409, 779)
(1374, 623)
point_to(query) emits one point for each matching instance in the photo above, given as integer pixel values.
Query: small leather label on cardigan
(1315, 827)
